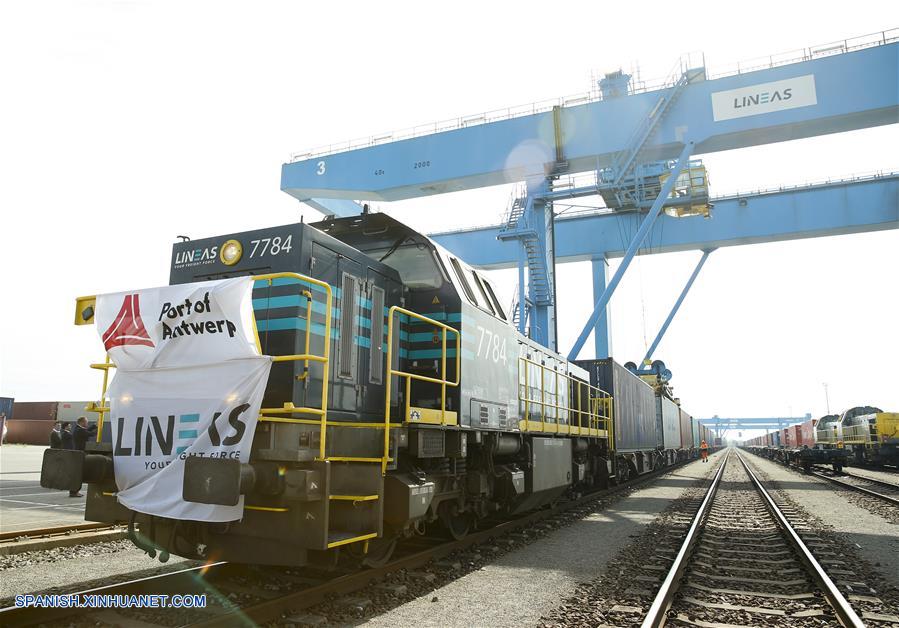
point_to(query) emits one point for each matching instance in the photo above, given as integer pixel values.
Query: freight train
(862, 436)
(409, 402)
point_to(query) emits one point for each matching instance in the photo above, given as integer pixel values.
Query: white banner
(161, 416)
(195, 323)
(764, 98)
(189, 382)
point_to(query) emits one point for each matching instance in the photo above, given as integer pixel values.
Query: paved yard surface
(23, 503)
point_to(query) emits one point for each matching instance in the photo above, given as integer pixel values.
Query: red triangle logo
(128, 327)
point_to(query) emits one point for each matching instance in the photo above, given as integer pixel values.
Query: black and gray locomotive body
(439, 413)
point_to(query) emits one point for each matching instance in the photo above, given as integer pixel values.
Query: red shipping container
(807, 434)
(29, 432)
(35, 410)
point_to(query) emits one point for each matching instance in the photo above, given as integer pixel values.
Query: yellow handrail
(102, 409)
(443, 381)
(308, 295)
(306, 357)
(597, 396)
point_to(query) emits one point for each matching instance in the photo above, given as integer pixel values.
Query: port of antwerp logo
(128, 327)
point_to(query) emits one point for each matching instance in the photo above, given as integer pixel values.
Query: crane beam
(828, 94)
(826, 209)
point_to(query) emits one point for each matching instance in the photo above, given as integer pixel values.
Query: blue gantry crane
(721, 425)
(636, 146)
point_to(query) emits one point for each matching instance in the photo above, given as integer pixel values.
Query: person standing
(68, 442)
(704, 451)
(66, 436)
(56, 436)
(82, 433)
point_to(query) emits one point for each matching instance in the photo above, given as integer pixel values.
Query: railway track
(237, 593)
(37, 533)
(744, 563)
(879, 489)
(37, 539)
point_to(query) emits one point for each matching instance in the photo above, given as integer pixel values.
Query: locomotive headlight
(231, 252)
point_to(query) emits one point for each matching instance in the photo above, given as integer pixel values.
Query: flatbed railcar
(802, 445)
(860, 436)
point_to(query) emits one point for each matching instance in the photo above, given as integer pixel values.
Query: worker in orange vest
(704, 451)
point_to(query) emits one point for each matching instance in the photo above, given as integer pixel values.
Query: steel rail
(861, 489)
(41, 532)
(658, 611)
(877, 481)
(182, 581)
(844, 611)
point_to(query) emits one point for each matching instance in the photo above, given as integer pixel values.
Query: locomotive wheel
(624, 472)
(457, 524)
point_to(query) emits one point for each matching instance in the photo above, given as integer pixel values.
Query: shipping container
(686, 429)
(6, 407)
(668, 420)
(807, 433)
(698, 433)
(796, 436)
(775, 439)
(29, 432)
(633, 402)
(35, 410)
(71, 410)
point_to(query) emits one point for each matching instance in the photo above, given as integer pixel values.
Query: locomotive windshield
(415, 263)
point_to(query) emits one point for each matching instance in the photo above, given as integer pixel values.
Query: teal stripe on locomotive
(318, 329)
(264, 304)
(298, 300)
(290, 281)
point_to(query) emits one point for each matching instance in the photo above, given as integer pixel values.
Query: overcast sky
(124, 124)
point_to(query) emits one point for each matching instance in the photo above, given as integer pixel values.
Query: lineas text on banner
(189, 382)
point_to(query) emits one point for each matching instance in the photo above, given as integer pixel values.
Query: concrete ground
(526, 584)
(23, 503)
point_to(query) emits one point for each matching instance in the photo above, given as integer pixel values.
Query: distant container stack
(651, 429)
(33, 421)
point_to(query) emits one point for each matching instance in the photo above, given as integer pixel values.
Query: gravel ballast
(77, 568)
(858, 543)
(876, 538)
(521, 586)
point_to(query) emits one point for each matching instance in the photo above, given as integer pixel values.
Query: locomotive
(410, 402)
(480, 420)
